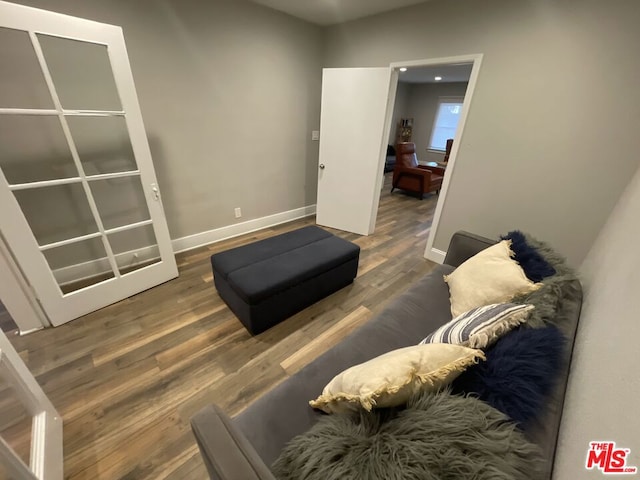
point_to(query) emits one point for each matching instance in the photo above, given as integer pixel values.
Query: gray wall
(550, 140)
(423, 107)
(229, 92)
(602, 397)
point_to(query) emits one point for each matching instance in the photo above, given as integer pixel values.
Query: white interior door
(352, 146)
(80, 204)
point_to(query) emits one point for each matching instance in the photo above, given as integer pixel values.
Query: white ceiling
(330, 12)
(449, 73)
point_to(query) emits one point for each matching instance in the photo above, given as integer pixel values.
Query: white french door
(353, 134)
(80, 204)
(30, 427)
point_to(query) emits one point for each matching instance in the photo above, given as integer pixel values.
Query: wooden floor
(127, 378)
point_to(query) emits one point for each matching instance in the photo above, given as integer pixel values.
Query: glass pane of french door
(135, 248)
(80, 264)
(57, 212)
(15, 422)
(81, 72)
(102, 143)
(22, 81)
(120, 201)
(33, 148)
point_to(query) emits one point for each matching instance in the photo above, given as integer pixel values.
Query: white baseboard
(436, 255)
(31, 330)
(230, 231)
(85, 270)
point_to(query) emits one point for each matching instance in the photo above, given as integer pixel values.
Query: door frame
(386, 130)
(475, 59)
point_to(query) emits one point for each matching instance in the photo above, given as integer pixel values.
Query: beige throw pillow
(390, 379)
(490, 276)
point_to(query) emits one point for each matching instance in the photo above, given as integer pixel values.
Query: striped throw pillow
(482, 326)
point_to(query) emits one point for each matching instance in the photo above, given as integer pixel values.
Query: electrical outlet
(315, 135)
(238, 212)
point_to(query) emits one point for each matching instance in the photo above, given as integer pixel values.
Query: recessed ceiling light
(403, 69)
(437, 79)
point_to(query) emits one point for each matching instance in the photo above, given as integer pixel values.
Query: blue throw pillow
(534, 265)
(520, 371)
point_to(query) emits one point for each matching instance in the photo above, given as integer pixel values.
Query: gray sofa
(243, 447)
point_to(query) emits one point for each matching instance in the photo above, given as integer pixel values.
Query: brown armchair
(409, 176)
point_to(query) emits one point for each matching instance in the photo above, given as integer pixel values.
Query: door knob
(321, 166)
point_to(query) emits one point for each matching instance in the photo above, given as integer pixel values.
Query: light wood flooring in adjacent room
(127, 378)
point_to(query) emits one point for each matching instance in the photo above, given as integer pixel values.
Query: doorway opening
(425, 117)
(426, 112)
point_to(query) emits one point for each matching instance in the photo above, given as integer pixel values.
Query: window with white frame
(446, 123)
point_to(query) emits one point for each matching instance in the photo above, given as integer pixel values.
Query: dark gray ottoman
(267, 281)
